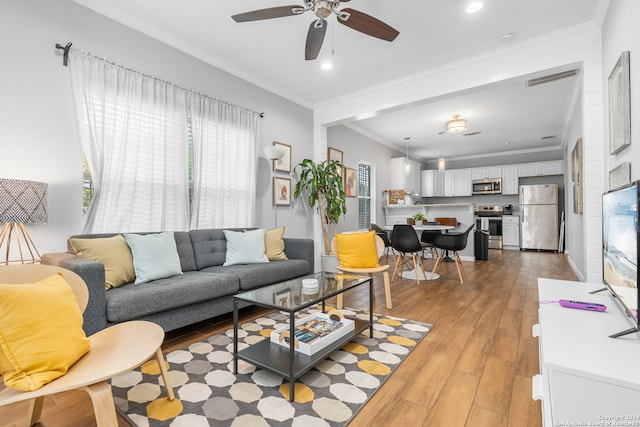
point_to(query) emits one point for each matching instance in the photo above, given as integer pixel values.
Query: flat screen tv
(620, 248)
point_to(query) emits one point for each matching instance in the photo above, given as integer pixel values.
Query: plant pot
(419, 222)
(329, 263)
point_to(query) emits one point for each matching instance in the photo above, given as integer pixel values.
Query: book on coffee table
(314, 332)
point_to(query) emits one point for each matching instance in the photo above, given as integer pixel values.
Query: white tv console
(586, 378)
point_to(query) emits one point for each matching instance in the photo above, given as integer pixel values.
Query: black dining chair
(426, 240)
(454, 242)
(384, 235)
(405, 242)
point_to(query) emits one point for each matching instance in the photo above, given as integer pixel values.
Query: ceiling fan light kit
(351, 18)
(457, 125)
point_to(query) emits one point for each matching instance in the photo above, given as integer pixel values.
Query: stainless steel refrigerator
(539, 217)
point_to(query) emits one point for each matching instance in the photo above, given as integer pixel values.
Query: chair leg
(165, 374)
(395, 269)
(459, 265)
(35, 410)
(387, 289)
(339, 302)
(103, 405)
(415, 267)
(437, 263)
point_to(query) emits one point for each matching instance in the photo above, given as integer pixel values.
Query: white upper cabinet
(509, 180)
(487, 172)
(457, 182)
(540, 168)
(432, 183)
(405, 175)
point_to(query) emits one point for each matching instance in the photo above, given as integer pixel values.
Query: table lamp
(273, 153)
(21, 202)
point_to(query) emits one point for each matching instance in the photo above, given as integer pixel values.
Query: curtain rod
(65, 61)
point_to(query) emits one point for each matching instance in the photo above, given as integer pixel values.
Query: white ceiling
(270, 53)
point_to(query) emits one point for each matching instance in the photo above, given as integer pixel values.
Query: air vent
(472, 133)
(551, 78)
(548, 137)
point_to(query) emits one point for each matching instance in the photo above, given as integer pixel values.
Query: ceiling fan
(352, 18)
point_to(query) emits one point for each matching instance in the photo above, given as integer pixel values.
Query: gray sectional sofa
(204, 290)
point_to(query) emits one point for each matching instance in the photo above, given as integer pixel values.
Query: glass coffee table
(291, 297)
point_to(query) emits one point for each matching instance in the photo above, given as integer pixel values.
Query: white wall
(37, 125)
(357, 147)
(620, 32)
(574, 224)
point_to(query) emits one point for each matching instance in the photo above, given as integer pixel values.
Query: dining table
(428, 275)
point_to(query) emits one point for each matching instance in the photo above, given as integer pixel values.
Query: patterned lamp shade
(23, 201)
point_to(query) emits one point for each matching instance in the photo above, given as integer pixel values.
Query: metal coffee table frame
(281, 296)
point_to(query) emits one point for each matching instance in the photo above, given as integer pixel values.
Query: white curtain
(133, 129)
(224, 164)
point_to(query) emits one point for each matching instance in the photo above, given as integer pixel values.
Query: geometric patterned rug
(209, 394)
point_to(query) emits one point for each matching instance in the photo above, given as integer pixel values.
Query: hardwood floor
(473, 369)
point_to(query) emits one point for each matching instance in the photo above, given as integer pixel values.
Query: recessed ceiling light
(507, 143)
(326, 65)
(474, 7)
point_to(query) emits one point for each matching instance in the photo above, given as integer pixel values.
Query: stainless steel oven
(489, 218)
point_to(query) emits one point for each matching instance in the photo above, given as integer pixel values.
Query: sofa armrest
(92, 272)
(296, 248)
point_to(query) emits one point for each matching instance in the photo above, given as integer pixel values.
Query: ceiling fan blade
(269, 13)
(369, 25)
(315, 37)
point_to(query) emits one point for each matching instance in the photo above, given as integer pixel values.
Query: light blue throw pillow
(245, 247)
(155, 256)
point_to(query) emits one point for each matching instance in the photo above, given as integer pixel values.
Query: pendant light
(441, 161)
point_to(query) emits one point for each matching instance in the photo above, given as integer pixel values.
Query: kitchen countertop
(427, 205)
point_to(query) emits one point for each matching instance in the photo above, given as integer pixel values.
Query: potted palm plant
(323, 185)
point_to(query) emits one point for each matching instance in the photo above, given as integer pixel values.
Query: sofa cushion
(155, 256)
(256, 275)
(210, 246)
(113, 252)
(245, 247)
(132, 301)
(274, 244)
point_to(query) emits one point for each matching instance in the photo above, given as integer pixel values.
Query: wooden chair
(380, 246)
(114, 351)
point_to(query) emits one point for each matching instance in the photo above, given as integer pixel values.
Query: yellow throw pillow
(41, 332)
(113, 252)
(357, 250)
(274, 244)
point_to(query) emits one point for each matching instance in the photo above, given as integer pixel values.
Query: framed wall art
(283, 164)
(350, 182)
(620, 175)
(281, 191)
(619, 105)
(577, 178)
(334, 154)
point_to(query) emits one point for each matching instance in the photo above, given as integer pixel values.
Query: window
(366, 195)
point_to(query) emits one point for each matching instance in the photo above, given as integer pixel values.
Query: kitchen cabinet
(586, 378)
(488, 172)
(509, 180)
(405, 174)
(540, 168)
(511, 231)
(432, 183)
(457, 182)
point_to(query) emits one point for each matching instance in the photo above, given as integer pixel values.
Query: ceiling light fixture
(326, 66)
(474, 7)
(456, 125)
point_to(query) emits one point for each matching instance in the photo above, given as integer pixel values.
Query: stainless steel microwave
(487, 186)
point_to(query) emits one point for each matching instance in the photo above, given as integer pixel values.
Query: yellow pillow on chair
(41, 333)
(357, 250)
